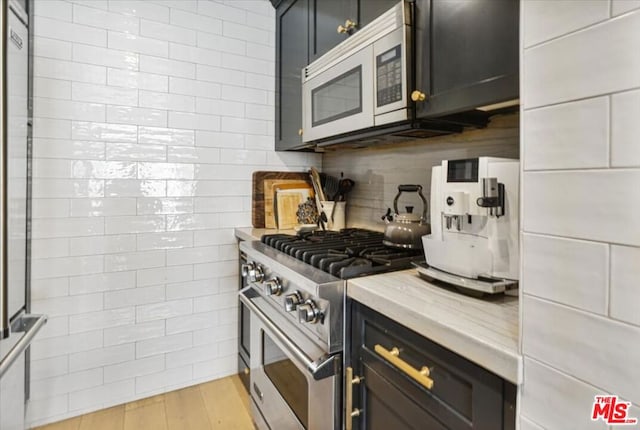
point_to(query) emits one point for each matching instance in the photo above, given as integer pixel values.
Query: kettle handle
(411, 189)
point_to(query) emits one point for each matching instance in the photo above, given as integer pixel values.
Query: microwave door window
(339, 98)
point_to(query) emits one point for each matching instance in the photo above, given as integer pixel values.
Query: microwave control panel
(389, 76)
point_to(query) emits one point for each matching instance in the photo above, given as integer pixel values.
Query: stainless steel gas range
(296, 296)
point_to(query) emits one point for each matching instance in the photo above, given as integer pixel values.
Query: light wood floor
(218, 405)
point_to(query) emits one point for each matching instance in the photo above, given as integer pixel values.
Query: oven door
(294, 385)
(244, 346)
(339, 99)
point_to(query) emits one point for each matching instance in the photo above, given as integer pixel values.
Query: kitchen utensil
(258, 192)
(331, 186)
(323, 218)
(320, 197)
(345, 187)
(315, 177)
(405, 230)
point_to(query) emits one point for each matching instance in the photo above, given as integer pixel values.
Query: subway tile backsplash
(625, 128)
(583, 345)
(580, 183)
(555, 399)
(593, 204)
(567, 271)
(602, 61)
(569, 135)
(150, 117)
(378, 171)
(540, 25)
(621, 6)
(625, 294)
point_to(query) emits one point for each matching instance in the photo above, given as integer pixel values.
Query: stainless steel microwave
(362, 82)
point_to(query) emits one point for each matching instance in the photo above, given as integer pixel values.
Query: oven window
(286, 377)
(339, 98)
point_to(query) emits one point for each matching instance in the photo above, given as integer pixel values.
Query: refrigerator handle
(29, 325)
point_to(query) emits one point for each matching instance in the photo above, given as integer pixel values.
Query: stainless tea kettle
(406, 230)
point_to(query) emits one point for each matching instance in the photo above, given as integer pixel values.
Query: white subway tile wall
(150, 117)
(581, 247)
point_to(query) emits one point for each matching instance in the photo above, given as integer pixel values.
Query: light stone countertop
(485, 331)
(250, 233)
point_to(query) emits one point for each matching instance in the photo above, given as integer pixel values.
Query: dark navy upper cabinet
(326, 17)
(305, 30)
(466, 54)
(368, 10)
(292, 34)
(332, 21)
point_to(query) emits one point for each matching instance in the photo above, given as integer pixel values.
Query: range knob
(273, 287)
(252, 271)
(291, 301)
(246, 268)
(258, 274)
(308, 312)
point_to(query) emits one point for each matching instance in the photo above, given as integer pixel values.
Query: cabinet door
(467, 54)
(463, 395)
(324, 18)
(387, 407)
(368, 10)
(291, 56)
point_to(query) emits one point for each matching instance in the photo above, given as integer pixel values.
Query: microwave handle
(323, 367)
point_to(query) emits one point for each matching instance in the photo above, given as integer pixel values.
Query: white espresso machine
(474, 240)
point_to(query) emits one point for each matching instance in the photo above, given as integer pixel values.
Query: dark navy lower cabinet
(401, 380)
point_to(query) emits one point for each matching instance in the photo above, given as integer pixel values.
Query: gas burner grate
(346, 254)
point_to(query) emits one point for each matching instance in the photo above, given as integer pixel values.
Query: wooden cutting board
(270, 188)
(286, 208)
(287, 197)
(258, 197)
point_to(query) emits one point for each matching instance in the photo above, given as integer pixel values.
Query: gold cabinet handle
(418, 96)
(350, 382)
(348, 27)
(420, 376)
(300, 132)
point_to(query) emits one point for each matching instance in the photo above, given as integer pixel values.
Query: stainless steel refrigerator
(17, 326)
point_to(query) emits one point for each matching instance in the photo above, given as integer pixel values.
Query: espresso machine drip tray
(474, 287)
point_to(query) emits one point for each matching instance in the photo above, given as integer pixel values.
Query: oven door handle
(323, 367)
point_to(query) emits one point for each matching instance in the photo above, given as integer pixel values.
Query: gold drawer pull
(420, 376)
